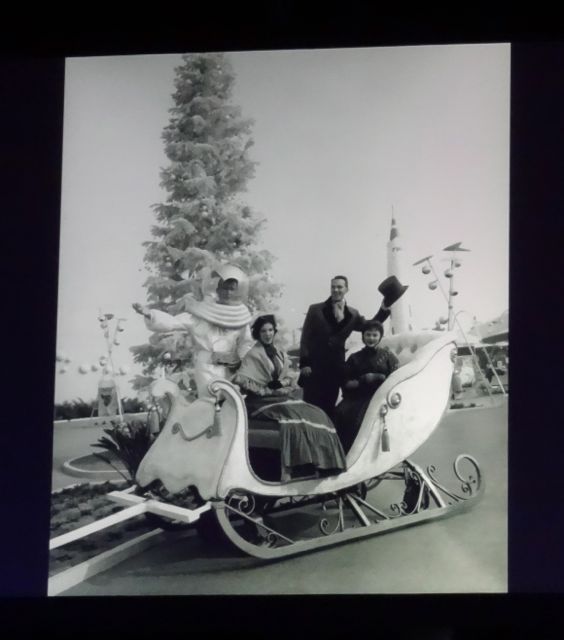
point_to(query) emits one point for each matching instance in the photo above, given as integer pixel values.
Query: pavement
(71, 442)
(466, 553)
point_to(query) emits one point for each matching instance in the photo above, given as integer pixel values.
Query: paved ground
(465, 553)
(71, 442)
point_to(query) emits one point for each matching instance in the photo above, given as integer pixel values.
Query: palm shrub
(128, 442)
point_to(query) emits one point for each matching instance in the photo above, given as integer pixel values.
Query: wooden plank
(174, 512)
(75, 575)
(126, 514)
(160, 508)
(125, 497)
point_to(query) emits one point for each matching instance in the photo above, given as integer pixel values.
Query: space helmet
(214, 277)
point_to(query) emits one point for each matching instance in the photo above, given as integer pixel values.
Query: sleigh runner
(380, 491)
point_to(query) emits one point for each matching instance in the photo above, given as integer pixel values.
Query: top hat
(392, 290)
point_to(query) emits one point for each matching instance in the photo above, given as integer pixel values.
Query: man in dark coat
(326, 328)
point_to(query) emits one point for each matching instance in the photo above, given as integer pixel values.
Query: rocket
(399, 317)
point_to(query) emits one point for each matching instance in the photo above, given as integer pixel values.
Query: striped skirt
(308, 437)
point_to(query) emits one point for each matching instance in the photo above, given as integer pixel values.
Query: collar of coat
(221, 315)
(330, 316)
(329, 304)
(257, 366)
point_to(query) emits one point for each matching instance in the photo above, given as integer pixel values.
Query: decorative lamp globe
(443, 320)
(432, 285)
(457, 263)
(84, 368)
(124, 370)
(94, 367)
(448, 273)
(426, 269)
(63, 370)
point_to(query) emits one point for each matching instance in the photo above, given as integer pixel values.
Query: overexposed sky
(340, 136)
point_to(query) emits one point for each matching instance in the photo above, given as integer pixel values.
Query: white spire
(399, 318)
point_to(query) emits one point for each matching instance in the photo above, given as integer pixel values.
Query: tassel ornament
(385, 439)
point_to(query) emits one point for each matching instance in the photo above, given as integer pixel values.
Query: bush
(65, 527)
(104, 512)
(85, 508)
(72, 514)
(129, 442)
(132, 405)
(75, 409)
(87, 545)
(79, 408)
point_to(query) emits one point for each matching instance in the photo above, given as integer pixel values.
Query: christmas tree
(202, 221)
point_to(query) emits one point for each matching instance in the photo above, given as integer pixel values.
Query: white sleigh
(229, 495)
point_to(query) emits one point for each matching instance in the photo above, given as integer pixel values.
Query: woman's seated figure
(364, 372)
(264, 374)
(309, 441)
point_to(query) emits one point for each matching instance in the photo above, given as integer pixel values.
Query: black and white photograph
(282, 350)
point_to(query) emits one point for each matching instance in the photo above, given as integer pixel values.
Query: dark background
(31, 116)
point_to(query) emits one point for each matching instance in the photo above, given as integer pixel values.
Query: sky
(342, 138)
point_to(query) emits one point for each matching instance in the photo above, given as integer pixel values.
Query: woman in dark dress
(364, 373)
(308, 440)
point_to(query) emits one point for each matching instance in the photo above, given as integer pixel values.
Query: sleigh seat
(265, 434)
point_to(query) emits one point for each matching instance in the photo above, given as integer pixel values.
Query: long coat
(350, 411)
(322, 348)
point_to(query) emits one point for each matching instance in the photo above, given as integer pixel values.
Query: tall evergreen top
(202, 220)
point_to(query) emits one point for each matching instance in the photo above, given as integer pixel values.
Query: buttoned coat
(322, 347)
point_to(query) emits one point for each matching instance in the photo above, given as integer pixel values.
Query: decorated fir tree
(202, 221)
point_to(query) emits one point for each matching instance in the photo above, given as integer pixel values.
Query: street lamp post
(451, 294)
(449, 273)
(104, 320)
(428, 268)
(105, 362)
